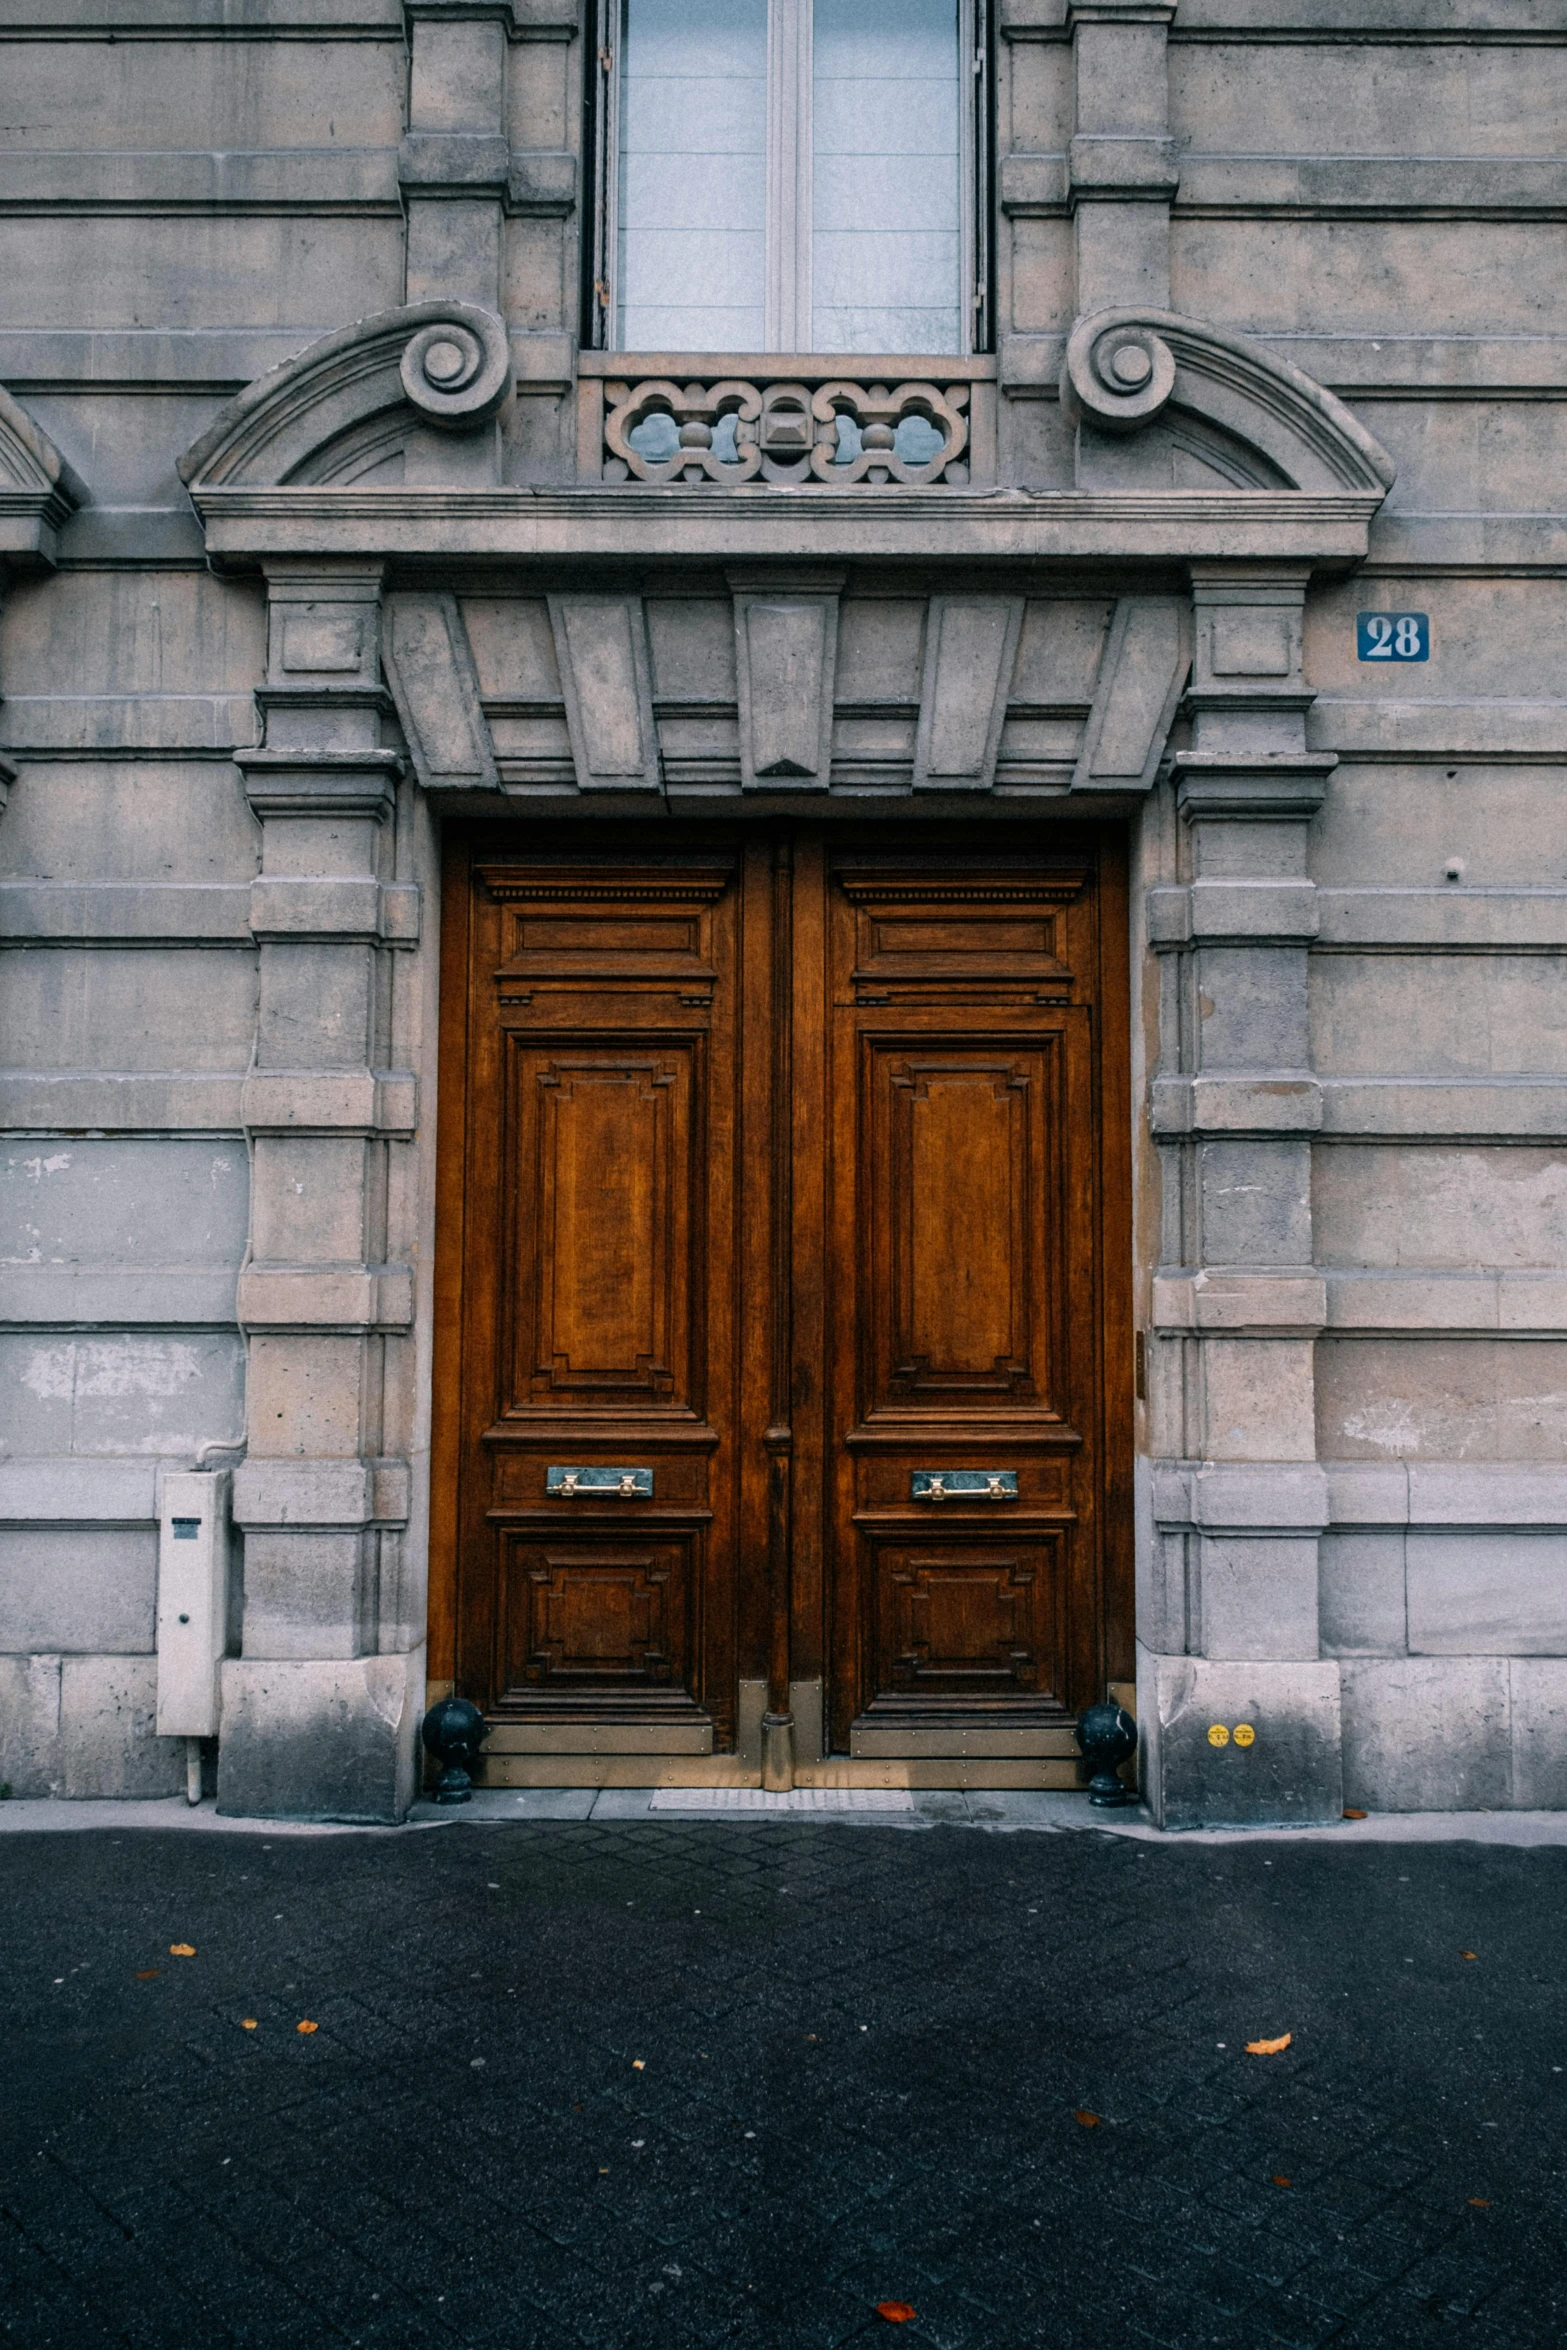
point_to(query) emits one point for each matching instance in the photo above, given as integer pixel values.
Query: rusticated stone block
(335, 1740)
(108, 1718)
(1538, 1688)
(1425, 1733)
(1197, 1773)
(30, 1725)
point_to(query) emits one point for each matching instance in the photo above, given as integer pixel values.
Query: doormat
(757, 1799)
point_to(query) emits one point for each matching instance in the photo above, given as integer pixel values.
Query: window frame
(790, 168)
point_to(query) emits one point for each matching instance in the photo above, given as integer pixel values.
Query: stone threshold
(1000, 1811)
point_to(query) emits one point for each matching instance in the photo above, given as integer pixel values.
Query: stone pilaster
(319, 1710)
(1228, 1610)
(456, 154)
(1121, 171)
(489, 171)
(477, 153)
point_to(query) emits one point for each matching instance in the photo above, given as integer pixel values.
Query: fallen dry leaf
(897, 2313)
(1354, 1815)
(637, 2065)
(1468, 1954)
(1268, 2047)
(1279, 2180)
(1481, 2202)
(182, 1950)
(247, 2023)
(1090, 2121)
(307, 2026)
(146, 1973)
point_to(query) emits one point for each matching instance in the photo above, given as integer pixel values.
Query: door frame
(1114, 1336)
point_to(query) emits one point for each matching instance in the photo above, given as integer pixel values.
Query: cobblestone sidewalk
(681, 2082)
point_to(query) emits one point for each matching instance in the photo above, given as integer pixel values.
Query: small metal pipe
(778, 1721)
(193, 1770)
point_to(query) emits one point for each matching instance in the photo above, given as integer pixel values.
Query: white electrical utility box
(193, 1598)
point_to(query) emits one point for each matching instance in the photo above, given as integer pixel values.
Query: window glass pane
(886, 243)
(691, 265)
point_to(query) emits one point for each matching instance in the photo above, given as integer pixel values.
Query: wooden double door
(784, 1273)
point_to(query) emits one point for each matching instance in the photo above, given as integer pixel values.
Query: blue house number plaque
(1393, 636)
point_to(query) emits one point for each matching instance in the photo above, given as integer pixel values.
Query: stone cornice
(647, 523)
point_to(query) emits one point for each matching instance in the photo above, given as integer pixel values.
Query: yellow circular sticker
(1245, 1735)
(1218, 1735)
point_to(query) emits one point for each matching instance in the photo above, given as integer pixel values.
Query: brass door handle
(963, 1485)
(599, 1484)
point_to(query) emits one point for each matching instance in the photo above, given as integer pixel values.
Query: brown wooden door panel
(782, 1171)
(600, 1272)
(606, 1230)
(961, 1223)
(602, 1617)
(965, 1622)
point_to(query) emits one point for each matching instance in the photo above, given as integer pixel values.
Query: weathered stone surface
(77, 1590)
(306, 1593)
(1288, 1772)
(30, 1758)
(320, 1740)
(1538, 1689)
(1427, 1400)
(1361, 1586)
(115, 1007)
(1259, 1597)
(1427, 1733)
(1259, 1399)
(108, 1729)
(120, 1230)
(1256, 1203)
(120, 1392)
(1483, 1594)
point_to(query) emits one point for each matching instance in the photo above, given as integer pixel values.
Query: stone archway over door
(789, 1225)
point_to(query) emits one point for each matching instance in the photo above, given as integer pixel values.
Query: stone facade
(316, 522)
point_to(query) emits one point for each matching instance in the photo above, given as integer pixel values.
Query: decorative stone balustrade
(735, 430)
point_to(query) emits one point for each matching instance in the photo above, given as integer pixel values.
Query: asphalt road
(698, 2082)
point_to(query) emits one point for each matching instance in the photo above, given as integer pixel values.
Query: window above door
(784, 176)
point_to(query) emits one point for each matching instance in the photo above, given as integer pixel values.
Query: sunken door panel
(607, 1617)
(963, 1224)
(974, 1616)
(606, 1226)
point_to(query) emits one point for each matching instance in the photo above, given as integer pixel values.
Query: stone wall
(219, 873)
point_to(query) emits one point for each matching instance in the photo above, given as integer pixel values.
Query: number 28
(1394, 636)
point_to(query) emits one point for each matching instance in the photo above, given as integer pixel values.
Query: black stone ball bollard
(454, 1730)
(1106, 1735)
